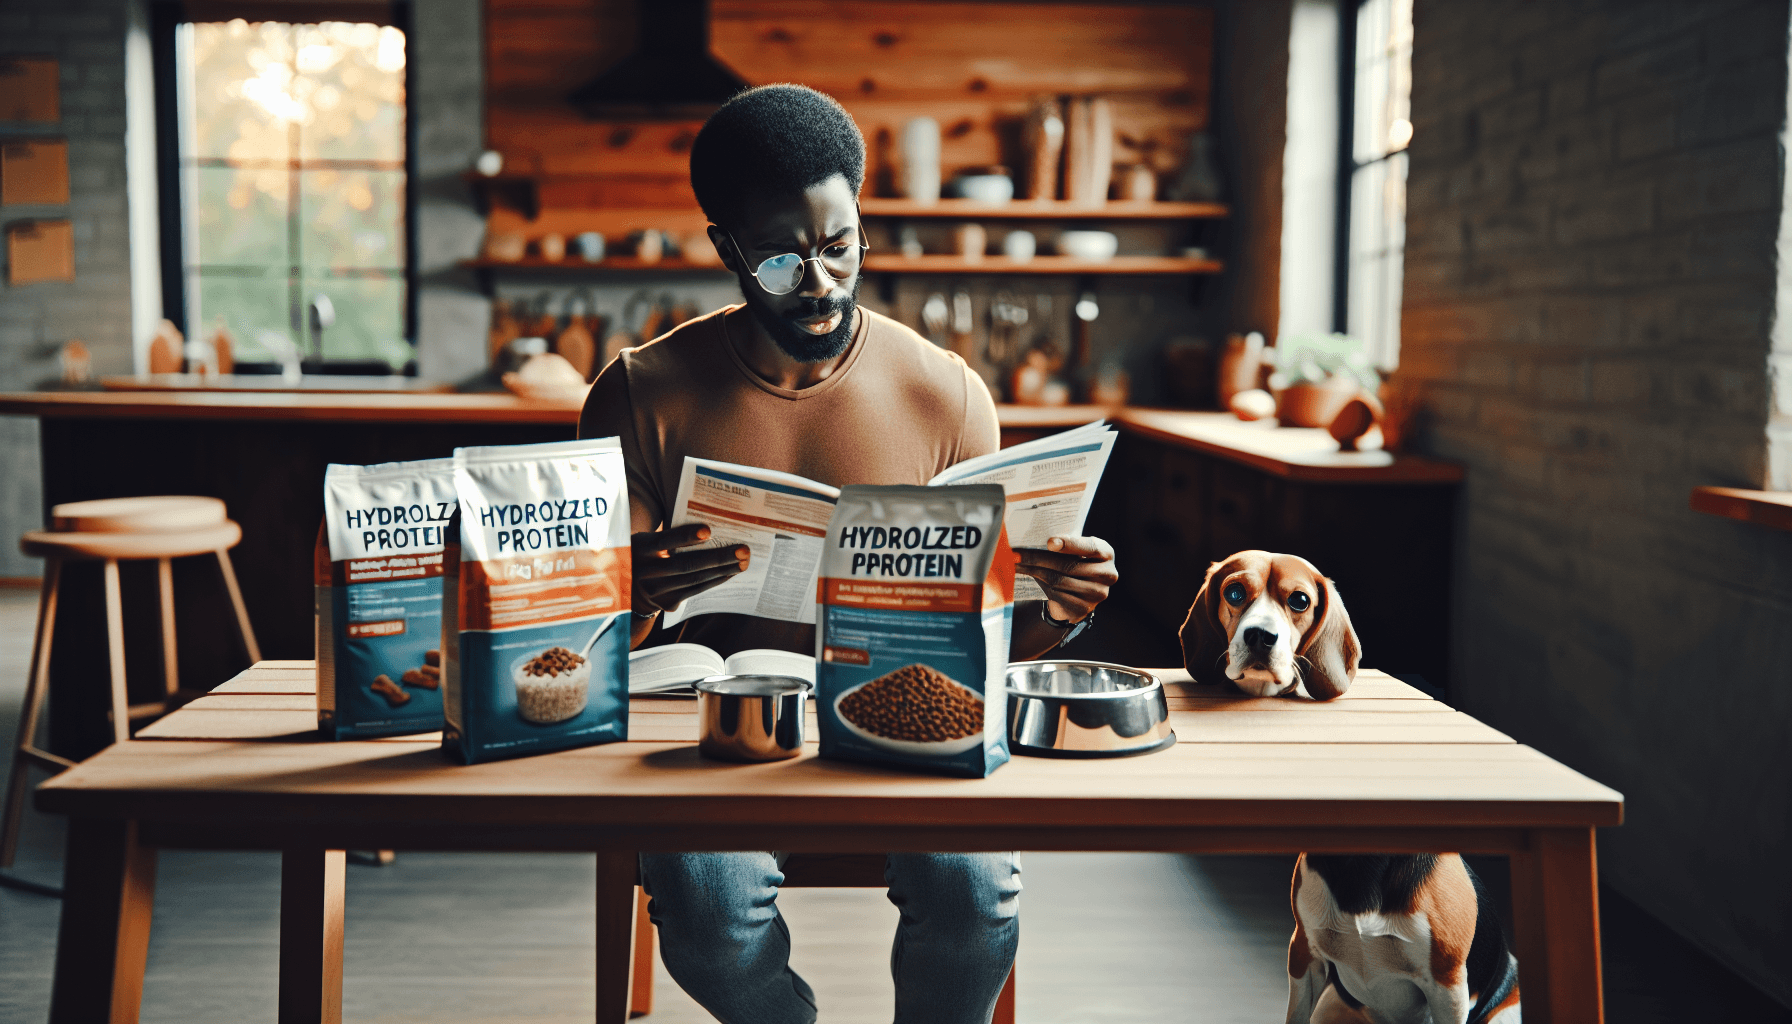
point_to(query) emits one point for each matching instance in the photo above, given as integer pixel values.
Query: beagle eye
(1299, 601)
(1235, 593)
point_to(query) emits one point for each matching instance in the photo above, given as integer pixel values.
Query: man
(799, 379)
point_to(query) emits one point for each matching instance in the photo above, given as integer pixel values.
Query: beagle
(1397, 940)
(1269, 624)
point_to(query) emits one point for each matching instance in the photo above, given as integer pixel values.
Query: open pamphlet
(672, 668)
(1050, 484)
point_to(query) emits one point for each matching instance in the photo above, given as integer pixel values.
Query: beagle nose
(1259, 640)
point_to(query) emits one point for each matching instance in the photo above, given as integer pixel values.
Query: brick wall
(87, 38)
(1593, 218)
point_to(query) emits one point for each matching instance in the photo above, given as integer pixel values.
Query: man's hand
(1076, 573)
(663, 578)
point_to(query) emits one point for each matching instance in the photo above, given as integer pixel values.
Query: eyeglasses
(780, 275)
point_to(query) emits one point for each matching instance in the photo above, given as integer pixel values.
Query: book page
(781, 517)
(1050, 482)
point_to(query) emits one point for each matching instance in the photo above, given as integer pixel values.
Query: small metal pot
(750, 718)
(1085, 709)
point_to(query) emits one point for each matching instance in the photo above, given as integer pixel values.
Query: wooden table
(1382, 769)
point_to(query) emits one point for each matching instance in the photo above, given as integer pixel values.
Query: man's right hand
(665, 576)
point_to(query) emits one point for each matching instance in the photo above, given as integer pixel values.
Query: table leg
(1555, 909)
(109, 891)
(311, 881)
(616, 876)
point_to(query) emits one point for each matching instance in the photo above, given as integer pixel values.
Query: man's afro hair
(773, 139)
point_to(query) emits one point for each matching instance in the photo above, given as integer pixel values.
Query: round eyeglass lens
(781, 274)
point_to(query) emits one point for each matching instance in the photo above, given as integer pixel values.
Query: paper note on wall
(28, 89)
(34, 171)
(42, 250)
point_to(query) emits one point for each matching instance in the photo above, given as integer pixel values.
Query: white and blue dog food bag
(379, 598)
(916, 596)
(535, 622)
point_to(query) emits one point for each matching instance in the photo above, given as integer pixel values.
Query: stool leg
(1005, 1002)
(35, 686)
(170, 658)
(236, 601)
(640, 999)
(121, 706)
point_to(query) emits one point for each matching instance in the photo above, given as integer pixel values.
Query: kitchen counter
(1183, 486)
(313, 383)
(1290, 452)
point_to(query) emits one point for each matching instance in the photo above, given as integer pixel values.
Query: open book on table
(782, 518)
(672, 668)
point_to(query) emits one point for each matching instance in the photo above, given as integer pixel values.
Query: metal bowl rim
(786, 685)
(1153, 683)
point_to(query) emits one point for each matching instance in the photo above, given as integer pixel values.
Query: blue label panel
(413, 610)
(951, 643)
(495, 724)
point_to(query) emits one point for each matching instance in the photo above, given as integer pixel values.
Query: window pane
(369, 317)
(251, 306)
(352, 80)
(240, 90)
(352, 219)
(240, 216)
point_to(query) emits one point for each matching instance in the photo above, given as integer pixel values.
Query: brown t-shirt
(898, 410)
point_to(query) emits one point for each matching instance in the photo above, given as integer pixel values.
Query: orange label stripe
(505, 593)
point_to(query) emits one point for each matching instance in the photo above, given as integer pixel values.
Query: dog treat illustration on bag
(1270, 624)
(916, 599)
(534, 629)
(379, 597)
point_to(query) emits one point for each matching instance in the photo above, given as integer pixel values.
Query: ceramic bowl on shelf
(1089, 245)
(983, 188)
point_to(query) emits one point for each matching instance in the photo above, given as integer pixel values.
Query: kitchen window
(1380, 129)
(292, 190)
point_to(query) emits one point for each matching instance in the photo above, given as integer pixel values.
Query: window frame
(165, 18)
(1349, 13)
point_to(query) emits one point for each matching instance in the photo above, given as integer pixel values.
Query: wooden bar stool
(112, 530)
(801, 870)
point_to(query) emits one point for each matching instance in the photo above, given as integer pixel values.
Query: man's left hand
(1076, 573)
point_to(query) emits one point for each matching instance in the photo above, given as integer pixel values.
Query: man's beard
(797, 343)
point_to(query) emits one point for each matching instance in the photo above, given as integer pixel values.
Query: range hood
(670, 76)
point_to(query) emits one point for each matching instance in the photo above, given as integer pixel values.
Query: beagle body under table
(1381, 769)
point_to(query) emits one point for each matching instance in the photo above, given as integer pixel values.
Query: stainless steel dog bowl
(750, 718)
(1085, 709)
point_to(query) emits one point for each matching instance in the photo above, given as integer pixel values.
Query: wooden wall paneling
(937, 51)
(972, 67)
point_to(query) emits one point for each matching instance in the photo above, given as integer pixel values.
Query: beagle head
(1268, 624)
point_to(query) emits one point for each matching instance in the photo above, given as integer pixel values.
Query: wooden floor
(1105, 939)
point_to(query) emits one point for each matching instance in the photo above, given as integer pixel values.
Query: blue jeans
(724, 942)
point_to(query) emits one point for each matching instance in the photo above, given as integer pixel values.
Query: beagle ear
(1204, 643)
(1332, 652)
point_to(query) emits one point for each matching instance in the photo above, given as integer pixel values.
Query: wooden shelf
(1772, 509)
(1031, 209)
(609, 264)
(949, 264)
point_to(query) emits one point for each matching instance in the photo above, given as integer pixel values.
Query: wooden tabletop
(1384, 755)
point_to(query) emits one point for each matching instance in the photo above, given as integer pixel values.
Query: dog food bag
(379, 598)
(535, 620)
(916, 599)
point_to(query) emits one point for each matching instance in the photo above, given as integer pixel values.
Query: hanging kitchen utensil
(934, 316)
(1087, 310)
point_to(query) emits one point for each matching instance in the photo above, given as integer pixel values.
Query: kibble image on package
(379, 598)
(916, 609)
(535, 626)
